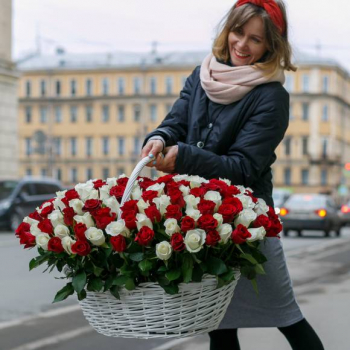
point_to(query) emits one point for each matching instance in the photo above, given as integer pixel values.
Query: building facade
(85, 116)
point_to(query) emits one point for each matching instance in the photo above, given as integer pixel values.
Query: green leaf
(109, 282)
(136, 256)
(64, 293)
(82, 295)
(228, 276)
(129, 284)
(255, 286)
(239, 248)
(114, 291)
(145, 265)
(187, 268)
(162, 269)
(249, 257)
(79, 281)
(171, 289)
(108, 251)
(35, 262)
(220, 282)
(248, 271)
(120, 280)
(97, 271)
(259, 269)
(173, 274)
(95, 285)
(216, 266)
(197, 274)
(163, 281)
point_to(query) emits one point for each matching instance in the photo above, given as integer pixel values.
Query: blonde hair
(279, 51)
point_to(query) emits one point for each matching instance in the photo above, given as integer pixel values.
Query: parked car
(279, 196)
(310, 212)
(18, 198)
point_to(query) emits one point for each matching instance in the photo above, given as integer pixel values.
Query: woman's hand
(167, 164)
(155, 148)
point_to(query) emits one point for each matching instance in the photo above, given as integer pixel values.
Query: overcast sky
(132, 25)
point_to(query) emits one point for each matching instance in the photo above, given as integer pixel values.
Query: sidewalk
(322, 287)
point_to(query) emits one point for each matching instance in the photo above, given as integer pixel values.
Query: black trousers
(301, 336)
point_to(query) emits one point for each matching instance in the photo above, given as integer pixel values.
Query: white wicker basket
(149, 312)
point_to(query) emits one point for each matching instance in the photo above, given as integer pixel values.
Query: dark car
(18, 198)
(310, 212)
(280, 196)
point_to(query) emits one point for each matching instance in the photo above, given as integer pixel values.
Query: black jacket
(235, 141)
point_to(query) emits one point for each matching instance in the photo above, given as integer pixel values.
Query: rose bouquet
(174, 229)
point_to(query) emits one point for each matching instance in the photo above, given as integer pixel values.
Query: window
(137, 145)
(153, 85)
(58, 114)
(43, 172)
(73, 114)
(29, 172)
(324, 177)
(88, 87)
(287, 145)
(28, 146)
(324, 147)
(305, 109)
(73, 146)
(57, 145)
(121, 113)
(120, 171)
(88, 114)
(169, 85)
(304, 141)
(153, 113)
(325, 83)
(73, 175)
(105, 86)
(121, 86)
(137, 85)
(28, 88)
(289, 84)
(28, 114)
(105, 145)
(43, 87)
(287, 176)
(305, 176)
(121, 146)
(305, 83)
(291, 115)
(88, 174)
(58, 88)
(88, 146)
(73, 87)
(43, 115)
(325, 113)
(105, 113)
(105, 173)
(137, 113)
(58, 174)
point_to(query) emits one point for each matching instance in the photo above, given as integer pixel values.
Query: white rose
(136, 193)
(112, 181)
(193, 213)
(214, 197)
(194, 240)
(61, 231)
(30, 221)
(34, 230)
(84, 190)
(228, 182)
(143, 220)
(104, 192)
(196, 181)
(95, 236)
(77, 206)
(58, 204)
(61, 194)
(163, 250)
(185, 190)
(171, 226)
(157, 187)
(42, 240)
(179, 177)
(218, 218)
(85, 219)
(261, 208)
(247, 201)
(112, 203)
(116, 228)
(56, 218)
(162, 202)
(142, 205)
(245, 217)
(225, 231)
(192, 201)
(67, 243)
(241, 188)
(257, 234)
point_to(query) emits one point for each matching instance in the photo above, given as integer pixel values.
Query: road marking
(54, 339)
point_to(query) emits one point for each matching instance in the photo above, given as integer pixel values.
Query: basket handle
(140, 165)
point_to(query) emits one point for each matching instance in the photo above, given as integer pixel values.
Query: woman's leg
(224, 339)
(301, 336)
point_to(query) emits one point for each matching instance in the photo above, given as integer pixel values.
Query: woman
(231, 115)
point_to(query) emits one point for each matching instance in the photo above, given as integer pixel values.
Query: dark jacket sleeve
(252, 151)
(174, 127)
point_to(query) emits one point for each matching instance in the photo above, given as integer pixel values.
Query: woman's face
(248, 43)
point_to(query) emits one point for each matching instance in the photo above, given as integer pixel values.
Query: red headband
(271, 8)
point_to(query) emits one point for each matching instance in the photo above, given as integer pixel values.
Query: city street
(28, 320)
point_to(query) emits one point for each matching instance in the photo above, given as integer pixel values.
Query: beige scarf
(224, 84)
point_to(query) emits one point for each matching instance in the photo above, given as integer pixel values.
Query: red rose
(68, 214)
(231, 191)
(46, 226)
(123, 181)
(55, 245)
(35, 216)
(271, 213)
(240, 234)
(197, 192)
(177, 242)
(229, 211)
(184, 183)
(165, 178)
(171, 185)
(103, 217)
(117, 192)
(146, 182)
(47, 210)
(144, 236)
(27, 239)
(118, 243)
(148, 196)
(176, 197)
(212, 238)
(153, 213)
(130, 220)
(79, 230)
(263, 221)
(69, 195)
(207, 222)
(173, 211)
(99, 183)
(206, 207)
(130, 206)
(212, 186)
(92, 205)
(274, 229)
(23, 227)
(187, 224)
(81, 248)
(234, 201)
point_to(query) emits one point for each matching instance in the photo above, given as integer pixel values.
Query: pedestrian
(231, 115)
